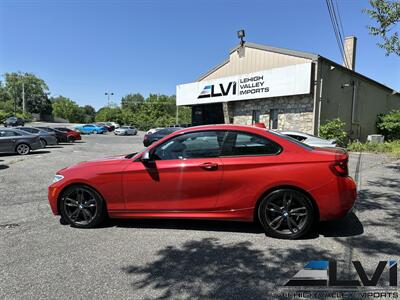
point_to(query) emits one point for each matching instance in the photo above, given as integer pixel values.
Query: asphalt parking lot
(178, 259)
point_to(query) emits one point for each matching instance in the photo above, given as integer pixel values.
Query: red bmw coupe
(223, 172)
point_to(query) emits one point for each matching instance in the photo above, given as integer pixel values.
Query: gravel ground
(148, 259)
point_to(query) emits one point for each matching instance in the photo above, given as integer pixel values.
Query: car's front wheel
(286, 214)
(70, 139)
(82, 207)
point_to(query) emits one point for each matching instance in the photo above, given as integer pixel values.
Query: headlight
(57, 178)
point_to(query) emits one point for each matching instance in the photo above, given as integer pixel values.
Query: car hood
(106, 161)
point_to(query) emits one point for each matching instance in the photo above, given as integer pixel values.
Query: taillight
(340, 168)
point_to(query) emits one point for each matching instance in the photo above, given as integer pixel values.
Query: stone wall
(294, 112)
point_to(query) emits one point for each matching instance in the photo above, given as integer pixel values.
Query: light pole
(108, 94)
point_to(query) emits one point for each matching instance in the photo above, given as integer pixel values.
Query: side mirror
(145, 156)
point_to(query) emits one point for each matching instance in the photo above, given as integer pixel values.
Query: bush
(386, 147)
(334, 129)
(389, 125)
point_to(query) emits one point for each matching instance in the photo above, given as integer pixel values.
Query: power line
(338, 29)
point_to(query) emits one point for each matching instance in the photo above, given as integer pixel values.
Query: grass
(392, 148)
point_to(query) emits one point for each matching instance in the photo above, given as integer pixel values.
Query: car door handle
(209, 166)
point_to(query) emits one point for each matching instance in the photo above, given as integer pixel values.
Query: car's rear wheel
(43, 143)
(286, 214)
(82, 207)
(23, 149)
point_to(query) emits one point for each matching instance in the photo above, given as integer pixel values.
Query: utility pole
(23, 97)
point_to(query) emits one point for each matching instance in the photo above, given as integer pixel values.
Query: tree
(67, 109)
(34, 88)
(386, 14)
(106, 114)
(132, 102)
(89, 112)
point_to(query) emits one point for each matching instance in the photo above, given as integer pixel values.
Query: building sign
(285, 81)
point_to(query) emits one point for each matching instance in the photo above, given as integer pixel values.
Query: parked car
(72, 135)
(153, 130)
(18, 141)
(90, 128)
(224, 172)
(116, 125)
(310, 139)
(125, 130)
(109, 128)
(60, 135)
(14, 121)
(46, 138)
(158, 135)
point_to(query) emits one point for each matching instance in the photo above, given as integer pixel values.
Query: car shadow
(345, 227)
(54, 147)
(3, 167)
(30, 153)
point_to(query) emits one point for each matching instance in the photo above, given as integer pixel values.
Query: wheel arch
(84, 184)
(292, 187)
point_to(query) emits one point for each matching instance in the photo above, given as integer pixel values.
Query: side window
(7, 133)
(242, 144)
(191, 145)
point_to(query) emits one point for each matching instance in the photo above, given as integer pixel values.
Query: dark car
(72, 135)
(18, 141)
(158, 135)
(61, 136)
(46, 138)
(14, 121)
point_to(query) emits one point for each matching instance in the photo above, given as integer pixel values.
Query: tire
(70, 139)
(43, 142)
(286, 214)
(86, 212)
(23, 149)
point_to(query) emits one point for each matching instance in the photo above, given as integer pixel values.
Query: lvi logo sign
(324, 273)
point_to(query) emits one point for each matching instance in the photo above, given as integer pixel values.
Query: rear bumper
(336, 199)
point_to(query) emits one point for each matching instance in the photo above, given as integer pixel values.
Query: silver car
(18, 141)
(125, 130)
(309, 139)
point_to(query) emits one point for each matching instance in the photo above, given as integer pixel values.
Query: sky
(85, 48)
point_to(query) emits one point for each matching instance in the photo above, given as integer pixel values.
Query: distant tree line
(143, 113)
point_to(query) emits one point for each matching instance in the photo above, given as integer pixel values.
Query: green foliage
(67, 109)
(389, 125)
(386, 14)
(334, 129)
(132, 102)
(386, 147)
(155, 111)
(34, 89)
(112, 114)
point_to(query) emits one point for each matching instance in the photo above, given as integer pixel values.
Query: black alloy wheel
(43, 143)
(82, 207)
(70, 139)
(286, 214)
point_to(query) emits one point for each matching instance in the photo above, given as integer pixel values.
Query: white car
(153, 130)
(309, 139)
(125, 130)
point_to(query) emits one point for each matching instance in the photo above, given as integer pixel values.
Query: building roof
(306, 55)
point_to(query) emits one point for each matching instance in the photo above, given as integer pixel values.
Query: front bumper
(51, 140)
